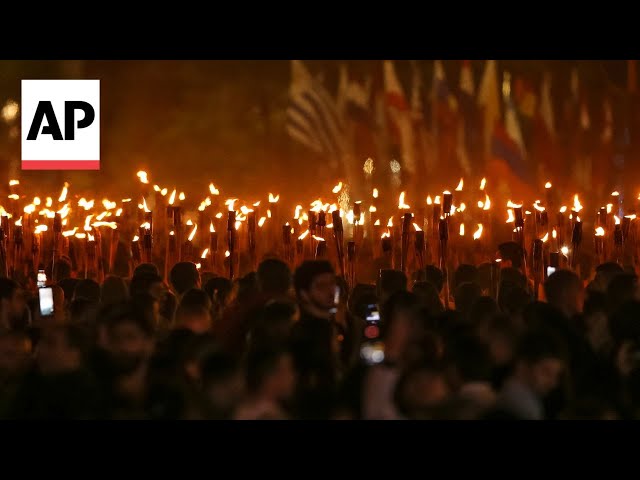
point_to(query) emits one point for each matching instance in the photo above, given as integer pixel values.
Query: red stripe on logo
(61, 165)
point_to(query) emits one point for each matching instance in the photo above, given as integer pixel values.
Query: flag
(399, 115)
(424, 148)
(468, 128)
(312, 116)
(546, 105)
(445, 123)
(543, 145)
(489, 101)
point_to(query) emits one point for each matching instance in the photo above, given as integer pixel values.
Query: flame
(30, 208)
(609, 207)
(483, 183)
(372, 209)
(125, 200)
(510, 204)
(318, 239)
(118, 212)
(189, 222)
(292, 231)
(193, 233)
(261, 221)
(164, 191)
(296, 214)
(40, 229)
(49, 202)
(386, 234)
(81, 235)
(462, 207)
(198, 266)
(429, 201)
(156, 188)
(230, 202)
(401, 204)
(182, 196)
(64, 222)
(350, 218)
(576, 203)
(565, 251)
(238, 223)
(462, 229)
(617, 219)
(172, 198)
(333, 208)
(599, 232)
(337, 188)
(538, 207)
(615, 194)
(554, 234)
(511, 217)
(36, 200)
(630, 217)
(390, 222)
(227, 254)
(14, 196)
(478, 232)
(545, 238)
(19, 222)
(63, 194)
(87, 205)
(377, 223)
(211, 228)
(547, 185)
(144, 205)
(111, 225)
(329, 225)
(203, 205)
(204, 253)
(111, 205)
(480, 204)
(375, 193)
(460, 185)
(437, 200)
(563, 209)
(14, 182)
(245, 210)
(273, 199)
(142, 175)
(87, 221)
(64, 211)
(418, 229)
(269, 213)
(101, 216)
(219, 215)
(91, 238)
(303, 235)
(68, 233)
(213, 190)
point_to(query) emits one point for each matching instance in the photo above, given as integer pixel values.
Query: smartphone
(372, 353)
(373, 315)
(46, 301)
(550, 271)
(42, 278)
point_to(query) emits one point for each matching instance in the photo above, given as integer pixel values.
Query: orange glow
(480, 204)
(545, 238)
(337, 188)
(375, 193)
(273, 199)
(511, 217)
(204, 253)
(64, 211)
(30, 208)
(211, 228)
(198, 266)
(510, 204)
(630, 217)
(390, 222)
(40, 229)
(118, 212)
(172, 197)
(219, 215)
(81, 235)
(547, 185)
(230, 202)
(460, 185)
(68, 233)
(101, 216)
(437, 200)
(538, 207)
(462, 207)
(599, 232)
(483, 183)
(418, 229)
(142, 175)
(616, 219)
(172, 233)
(386, 234)
(429, 201)
(563, 209)
(14, 182)
(319, 239)
(87, 223)
(377, 223)
(372, 209)
(303, 235)
(609, 207)
(615, 194)
(49, 202)
(145, 225)
(14, 196)
(261, 221)
(554, 234)
(164, 191)
(87, 205)
(478, 233)
(144, 205)
(213, 190)
(189, 222)
(296, 214)
(111, 225)
(36, 200)
(135, 238)
(156, 188)
(111, 205)
(401, 204)
(245, 210)
(462, 229)
(182, 196)
(565, 250)
(577, 206)
(227, 254)
(91, 238)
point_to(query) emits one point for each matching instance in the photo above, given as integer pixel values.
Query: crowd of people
(277, 344)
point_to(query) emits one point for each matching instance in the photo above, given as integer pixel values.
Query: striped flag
(312, 116)
(489, 101)
(400, 115)
(445, 123)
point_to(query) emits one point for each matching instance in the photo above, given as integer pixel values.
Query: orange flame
(511, 217)
(227, 254)
(460, 185)
(418, 229)
(462, 229)
(390, 222)
(68, 233)
(565, 250)
(40, 229)
(599, 232)
(213, 190)
(377, 223)
(273, 199)
(204, 253)
(193, 232)
(576, 203)
(609, 207)
(164, 191)
(261, 221)
(538, 207)
(372, 209)
(219, 215)
(30, 208)
(296, 214)
(63, 194)
(616, 219)
(142, 175)
(337, 188)
(14, 182)
(319, 239)
(429, 201)
(91, 238)
(375, 193)
(386, 234)
(87, 223)
(554, 234)
(211, 228)
(14, 196)
(615, 194)
(545, 238)
(630, 217)
(49, 202)
(156, 188)
(478, 232)
(135, 238)
(547, 185)
(87, 205)
(510, 204)
(111, 225)
(81, 235)
(36, 200)
(483, 183)
(303, 235)
(172, 198)
(118, 212)
(563, 209)
(230, 202)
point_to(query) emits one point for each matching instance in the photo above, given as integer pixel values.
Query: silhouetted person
(113, 290)
(184, 276)
(563, 289)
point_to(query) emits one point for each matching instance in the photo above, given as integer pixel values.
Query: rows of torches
(229, 236)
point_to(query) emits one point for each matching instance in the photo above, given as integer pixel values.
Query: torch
(406, 226)
(443, 231)
(321, 247)
(286, 242)
(17, 245)
(338, 235)
(419, 246)
(57, 233)
(251, 237)
(231, 234)
(618, 240)
(576, 240)
(4, 265)
(351, 259)
(135, 251)
(538, 265)
(213, 246)
(599, 244)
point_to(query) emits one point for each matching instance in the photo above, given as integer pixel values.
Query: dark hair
(142, 305)
(390, 282)
(183, 276)
(465, 273)
(559, 284)
(113, 290)
(146, 269)
(125, 313)
(512, 275)
(435, 277)
(61, 270)
(513, 299)
(260, 364)
(306, 273)
(83, 312)
(399, 301)
(540, 344)
(272, 325)
(196, 297)
(624, 324)
(87, 288)
(428, 297)
(247, 287)
(465, 296)
(218, 289)
(622, 288)
(68, 285)
(7, 288)
(142, 282)
(274, 276)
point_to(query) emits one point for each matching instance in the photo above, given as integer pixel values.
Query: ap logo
(60, 124)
